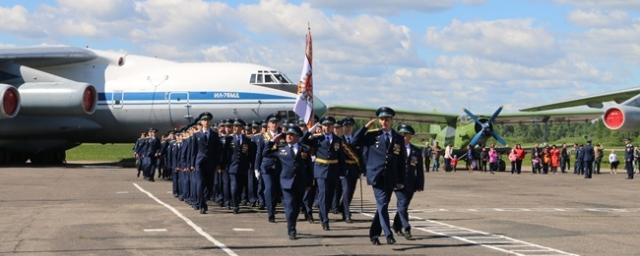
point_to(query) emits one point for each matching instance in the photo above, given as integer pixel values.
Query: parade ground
(106, 210)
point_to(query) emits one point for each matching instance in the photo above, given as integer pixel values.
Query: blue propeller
(484, 128)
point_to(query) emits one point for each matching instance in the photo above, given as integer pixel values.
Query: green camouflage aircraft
(468, 128)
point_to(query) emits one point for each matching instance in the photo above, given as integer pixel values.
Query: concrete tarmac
(102, 210)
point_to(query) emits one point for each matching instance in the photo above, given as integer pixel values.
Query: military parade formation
(263, 164)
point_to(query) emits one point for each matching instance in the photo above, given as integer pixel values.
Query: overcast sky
(418, 55)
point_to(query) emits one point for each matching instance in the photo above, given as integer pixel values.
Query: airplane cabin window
(259, 81)
(253, 79)
(268, 79)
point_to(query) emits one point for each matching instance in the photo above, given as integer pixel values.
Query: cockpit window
(270, 77)
(281, 79)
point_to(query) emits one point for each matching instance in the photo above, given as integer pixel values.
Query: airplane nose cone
(319, 108)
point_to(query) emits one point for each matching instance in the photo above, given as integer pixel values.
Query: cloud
(615, 4)
(382, 7)
(106, 10)
(511, 40)
(597, 18)
(358, 40)
(361, 57)
(613, 46)
(16, 20)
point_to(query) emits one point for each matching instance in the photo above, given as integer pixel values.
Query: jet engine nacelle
(57, 98)
(9, 101)
(623, 118)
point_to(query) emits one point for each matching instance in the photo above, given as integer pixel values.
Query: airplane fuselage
(136, 93)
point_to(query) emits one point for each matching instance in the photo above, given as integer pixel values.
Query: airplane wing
(549, 116)
(401, 115)
(45, 56)
(593, 101)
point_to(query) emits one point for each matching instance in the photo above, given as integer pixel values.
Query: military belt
(326, 161)
(351, 161)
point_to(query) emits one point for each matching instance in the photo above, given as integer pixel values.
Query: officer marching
(329, 162)
(385, 162)
(352, 168)
(238, 158)
(296, 172)
(413, 181)
(268, 168)
(208, 149)
(150, 153)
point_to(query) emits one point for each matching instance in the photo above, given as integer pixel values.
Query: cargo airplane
(54, 98)
(624, 115)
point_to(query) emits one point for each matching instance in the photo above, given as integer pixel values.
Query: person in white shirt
(613, 160)
(448, 152)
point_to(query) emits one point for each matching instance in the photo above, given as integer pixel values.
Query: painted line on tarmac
(122, 192)
(525, 210)
(195, 227)
(499, 243)
(155, 230)
(243, 229)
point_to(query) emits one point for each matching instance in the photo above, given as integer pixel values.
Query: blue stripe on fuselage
(151, 96)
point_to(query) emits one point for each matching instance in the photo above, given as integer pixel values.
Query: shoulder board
(315, 135)
(372, 131)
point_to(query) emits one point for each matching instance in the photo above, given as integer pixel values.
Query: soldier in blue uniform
(337, 193)
(310, 192)
(385, 162)
(577, 167)
(238, 158)
(175, 164)
(224, 183)
(628, 158)
(587, 160)
(329, 163)
(206, 159)
(150, 153)
(296, 172)
(352, 168)
(185, 166)
(137, 151)
(252, 180)
(413, 181)
(269, 168)
(190, 162)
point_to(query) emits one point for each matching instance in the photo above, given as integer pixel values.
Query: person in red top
(519, 151)
(555, 158)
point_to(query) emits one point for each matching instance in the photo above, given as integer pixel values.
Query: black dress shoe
(292, 236)
(348, 221)
(325, 227)
(310, 218)
(391, 240)
(236, 210)
(375, 241)
(407, 235)
(203, 211)
(272, 219)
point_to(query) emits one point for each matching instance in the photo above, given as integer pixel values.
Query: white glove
(257, 173)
